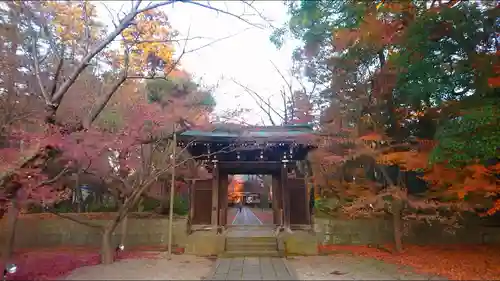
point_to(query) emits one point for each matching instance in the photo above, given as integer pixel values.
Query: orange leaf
(371, 137)
(461, 194)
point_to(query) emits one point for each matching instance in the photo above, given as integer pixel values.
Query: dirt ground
(345, 267)
(181, 267)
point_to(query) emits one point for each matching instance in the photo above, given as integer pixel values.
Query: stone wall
(380, 231)
(33, 232)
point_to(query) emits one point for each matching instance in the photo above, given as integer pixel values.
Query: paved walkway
(246, 217)
(247, 224)
(253, 268)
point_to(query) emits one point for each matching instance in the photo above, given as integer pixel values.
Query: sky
(245, 57)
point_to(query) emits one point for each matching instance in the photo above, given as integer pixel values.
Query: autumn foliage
(51, 264)
(85, 112)
(454, 262)
(402, 133)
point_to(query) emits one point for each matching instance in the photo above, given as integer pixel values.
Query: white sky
(244, 57)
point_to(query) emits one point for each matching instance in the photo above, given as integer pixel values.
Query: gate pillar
(215, 197)
(277, 200)
(285, 195)
(223, 201)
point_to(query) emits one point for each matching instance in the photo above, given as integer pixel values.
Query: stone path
(246, 217)
(253, 268)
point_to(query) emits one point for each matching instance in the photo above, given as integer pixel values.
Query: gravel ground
(345, 267)
(180, 267)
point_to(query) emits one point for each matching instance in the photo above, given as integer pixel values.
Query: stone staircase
(251, 247)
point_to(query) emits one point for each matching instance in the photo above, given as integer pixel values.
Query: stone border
(213, 270)
(290, 269)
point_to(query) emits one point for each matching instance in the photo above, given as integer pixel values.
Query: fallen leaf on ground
(455, 262)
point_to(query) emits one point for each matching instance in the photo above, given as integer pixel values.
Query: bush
(150, 204)
(101, 208)
(181, 206)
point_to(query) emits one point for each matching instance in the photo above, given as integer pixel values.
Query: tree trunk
(397, 225)
(107, 250)
(78, 194)
(140, 205)
(8, 247)
(124, 230)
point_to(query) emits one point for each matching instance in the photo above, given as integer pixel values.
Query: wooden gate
(201, 203)
(299, 203)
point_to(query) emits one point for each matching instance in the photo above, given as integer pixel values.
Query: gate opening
(249, 200)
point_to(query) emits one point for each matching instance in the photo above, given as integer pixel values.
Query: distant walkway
(252, 268)
(246, 217)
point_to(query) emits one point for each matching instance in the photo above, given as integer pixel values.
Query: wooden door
(299, 206)
(202, 202)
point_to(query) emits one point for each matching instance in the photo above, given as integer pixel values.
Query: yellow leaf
(380, 4)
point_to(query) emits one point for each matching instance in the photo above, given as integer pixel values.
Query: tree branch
(46, 97)
(254, 94)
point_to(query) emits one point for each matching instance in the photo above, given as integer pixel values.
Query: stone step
(247, 240)
(250, 241)
(252, 247)
(267, 253)
(245, 243)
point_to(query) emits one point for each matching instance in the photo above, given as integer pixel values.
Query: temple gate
(279, 151)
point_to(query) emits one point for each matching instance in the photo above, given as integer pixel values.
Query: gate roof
(298, 133)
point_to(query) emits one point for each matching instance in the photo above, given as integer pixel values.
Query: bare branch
(218, 40)
(290, 89)
(37, 71)
(57, 73)
(103, 101)
(255, 94)
(160, 40)
(111, 15)
(250, 5)
(56, 178)
(223, 12)
(124, 23)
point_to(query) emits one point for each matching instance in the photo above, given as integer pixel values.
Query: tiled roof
(288, 131)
